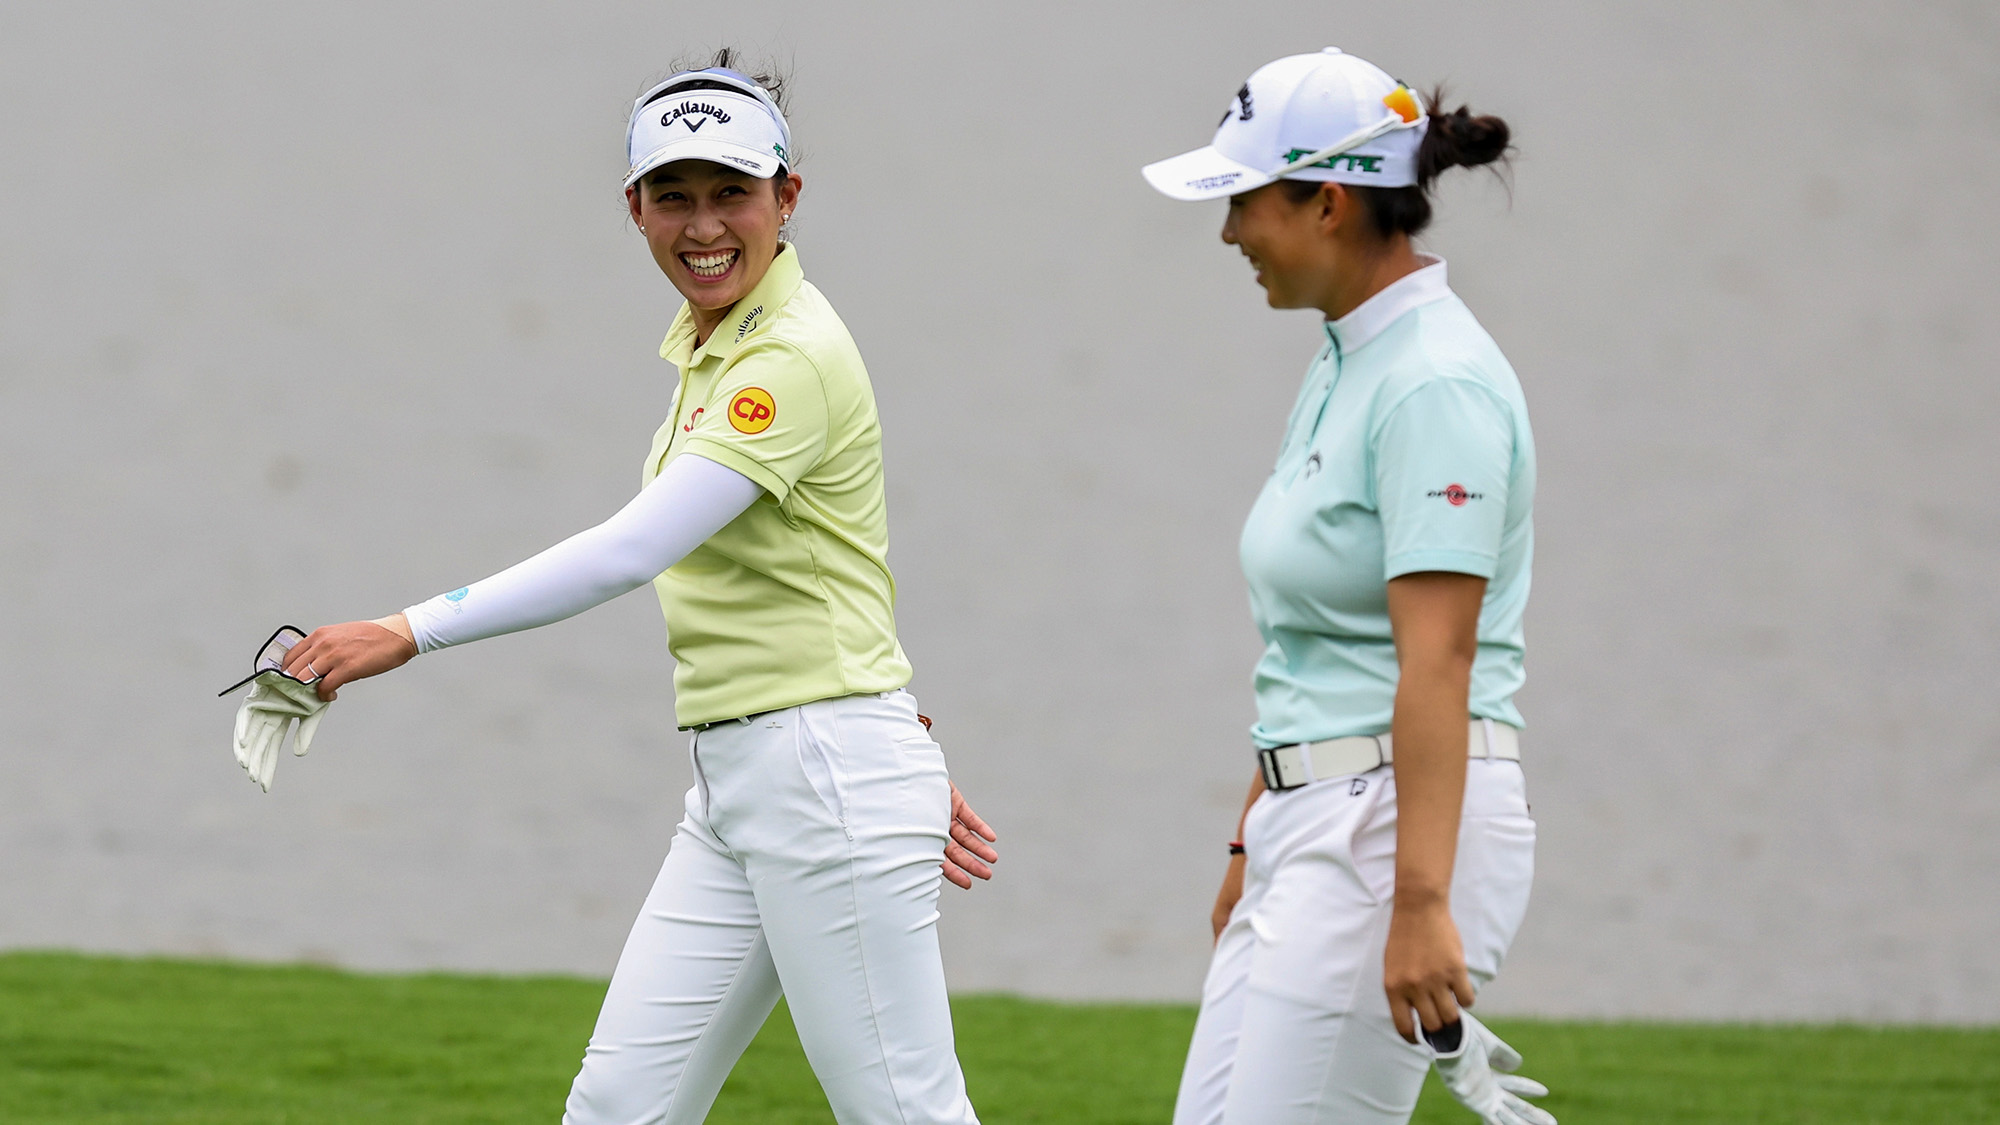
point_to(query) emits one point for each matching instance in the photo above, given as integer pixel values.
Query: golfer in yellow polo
(821, 817)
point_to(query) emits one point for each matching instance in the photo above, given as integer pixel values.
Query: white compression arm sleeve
(692, 500)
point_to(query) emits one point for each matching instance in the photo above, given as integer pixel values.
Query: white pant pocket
(1490, 889)
(818, 754)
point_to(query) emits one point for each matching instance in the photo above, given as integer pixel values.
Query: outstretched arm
(693, 499)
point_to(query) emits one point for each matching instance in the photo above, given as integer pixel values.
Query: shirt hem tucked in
(697, 719)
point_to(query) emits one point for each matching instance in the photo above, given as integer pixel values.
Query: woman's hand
(971, 848)
(1423, 970)
(341, 654)
(1227, 897)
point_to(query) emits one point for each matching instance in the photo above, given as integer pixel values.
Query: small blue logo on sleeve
(458, 595)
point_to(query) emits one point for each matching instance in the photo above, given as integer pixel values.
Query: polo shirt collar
(1374, 315)
(756, 308)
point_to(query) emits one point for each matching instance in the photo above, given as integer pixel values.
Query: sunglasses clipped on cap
(1404, 112)
(271, 657)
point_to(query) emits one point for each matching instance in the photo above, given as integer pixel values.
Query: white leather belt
(1302, 763)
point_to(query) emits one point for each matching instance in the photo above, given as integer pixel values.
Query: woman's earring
(642, 230)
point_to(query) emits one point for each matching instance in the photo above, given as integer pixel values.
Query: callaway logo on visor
(686, 113)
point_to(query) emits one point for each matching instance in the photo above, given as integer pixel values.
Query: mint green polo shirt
(1408, 450)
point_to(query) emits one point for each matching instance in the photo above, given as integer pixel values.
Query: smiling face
(712, 229)
(1289, 243)
(1316, 246)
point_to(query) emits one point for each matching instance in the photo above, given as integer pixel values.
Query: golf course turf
(87, 1040)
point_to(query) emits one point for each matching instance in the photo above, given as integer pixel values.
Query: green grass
(90, 1040)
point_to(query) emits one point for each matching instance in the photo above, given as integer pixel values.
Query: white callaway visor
(716, 115)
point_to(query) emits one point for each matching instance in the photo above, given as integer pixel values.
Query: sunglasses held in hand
(278, 704)
(271, 658)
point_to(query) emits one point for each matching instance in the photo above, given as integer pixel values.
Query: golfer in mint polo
(809, 860)
(1382, 863)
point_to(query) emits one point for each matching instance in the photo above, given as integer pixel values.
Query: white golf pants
(807, 866)
(1294, 1025)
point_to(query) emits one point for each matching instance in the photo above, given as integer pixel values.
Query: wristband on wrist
(1235, 847)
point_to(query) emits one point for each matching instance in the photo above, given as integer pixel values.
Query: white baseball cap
(716, 115)
(1324, 117)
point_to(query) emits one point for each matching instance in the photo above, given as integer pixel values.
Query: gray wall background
(310, 311)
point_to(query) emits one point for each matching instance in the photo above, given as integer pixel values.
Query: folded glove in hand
(275, 701)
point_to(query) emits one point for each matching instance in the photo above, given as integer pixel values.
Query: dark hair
(1456, 139)
(766, 74)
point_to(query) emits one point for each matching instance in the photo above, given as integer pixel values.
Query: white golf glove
(1478, 1075)
(266, 716)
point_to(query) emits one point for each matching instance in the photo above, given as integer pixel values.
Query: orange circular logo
(752, 410)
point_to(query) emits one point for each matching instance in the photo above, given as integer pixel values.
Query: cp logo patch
(752, 410)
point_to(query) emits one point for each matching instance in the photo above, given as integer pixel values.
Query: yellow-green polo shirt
(793, 601)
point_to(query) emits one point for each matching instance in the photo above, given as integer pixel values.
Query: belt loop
(1306, 763)
(1382, 751)
(1487, 737)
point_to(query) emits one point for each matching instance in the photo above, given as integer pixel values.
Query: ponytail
(1455, 139)
(1459, 140)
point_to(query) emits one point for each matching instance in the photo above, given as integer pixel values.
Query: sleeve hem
(419, 617)
(736, 459)
(1475, 563)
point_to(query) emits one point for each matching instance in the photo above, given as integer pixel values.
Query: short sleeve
(767, 418)
(1443, 458)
